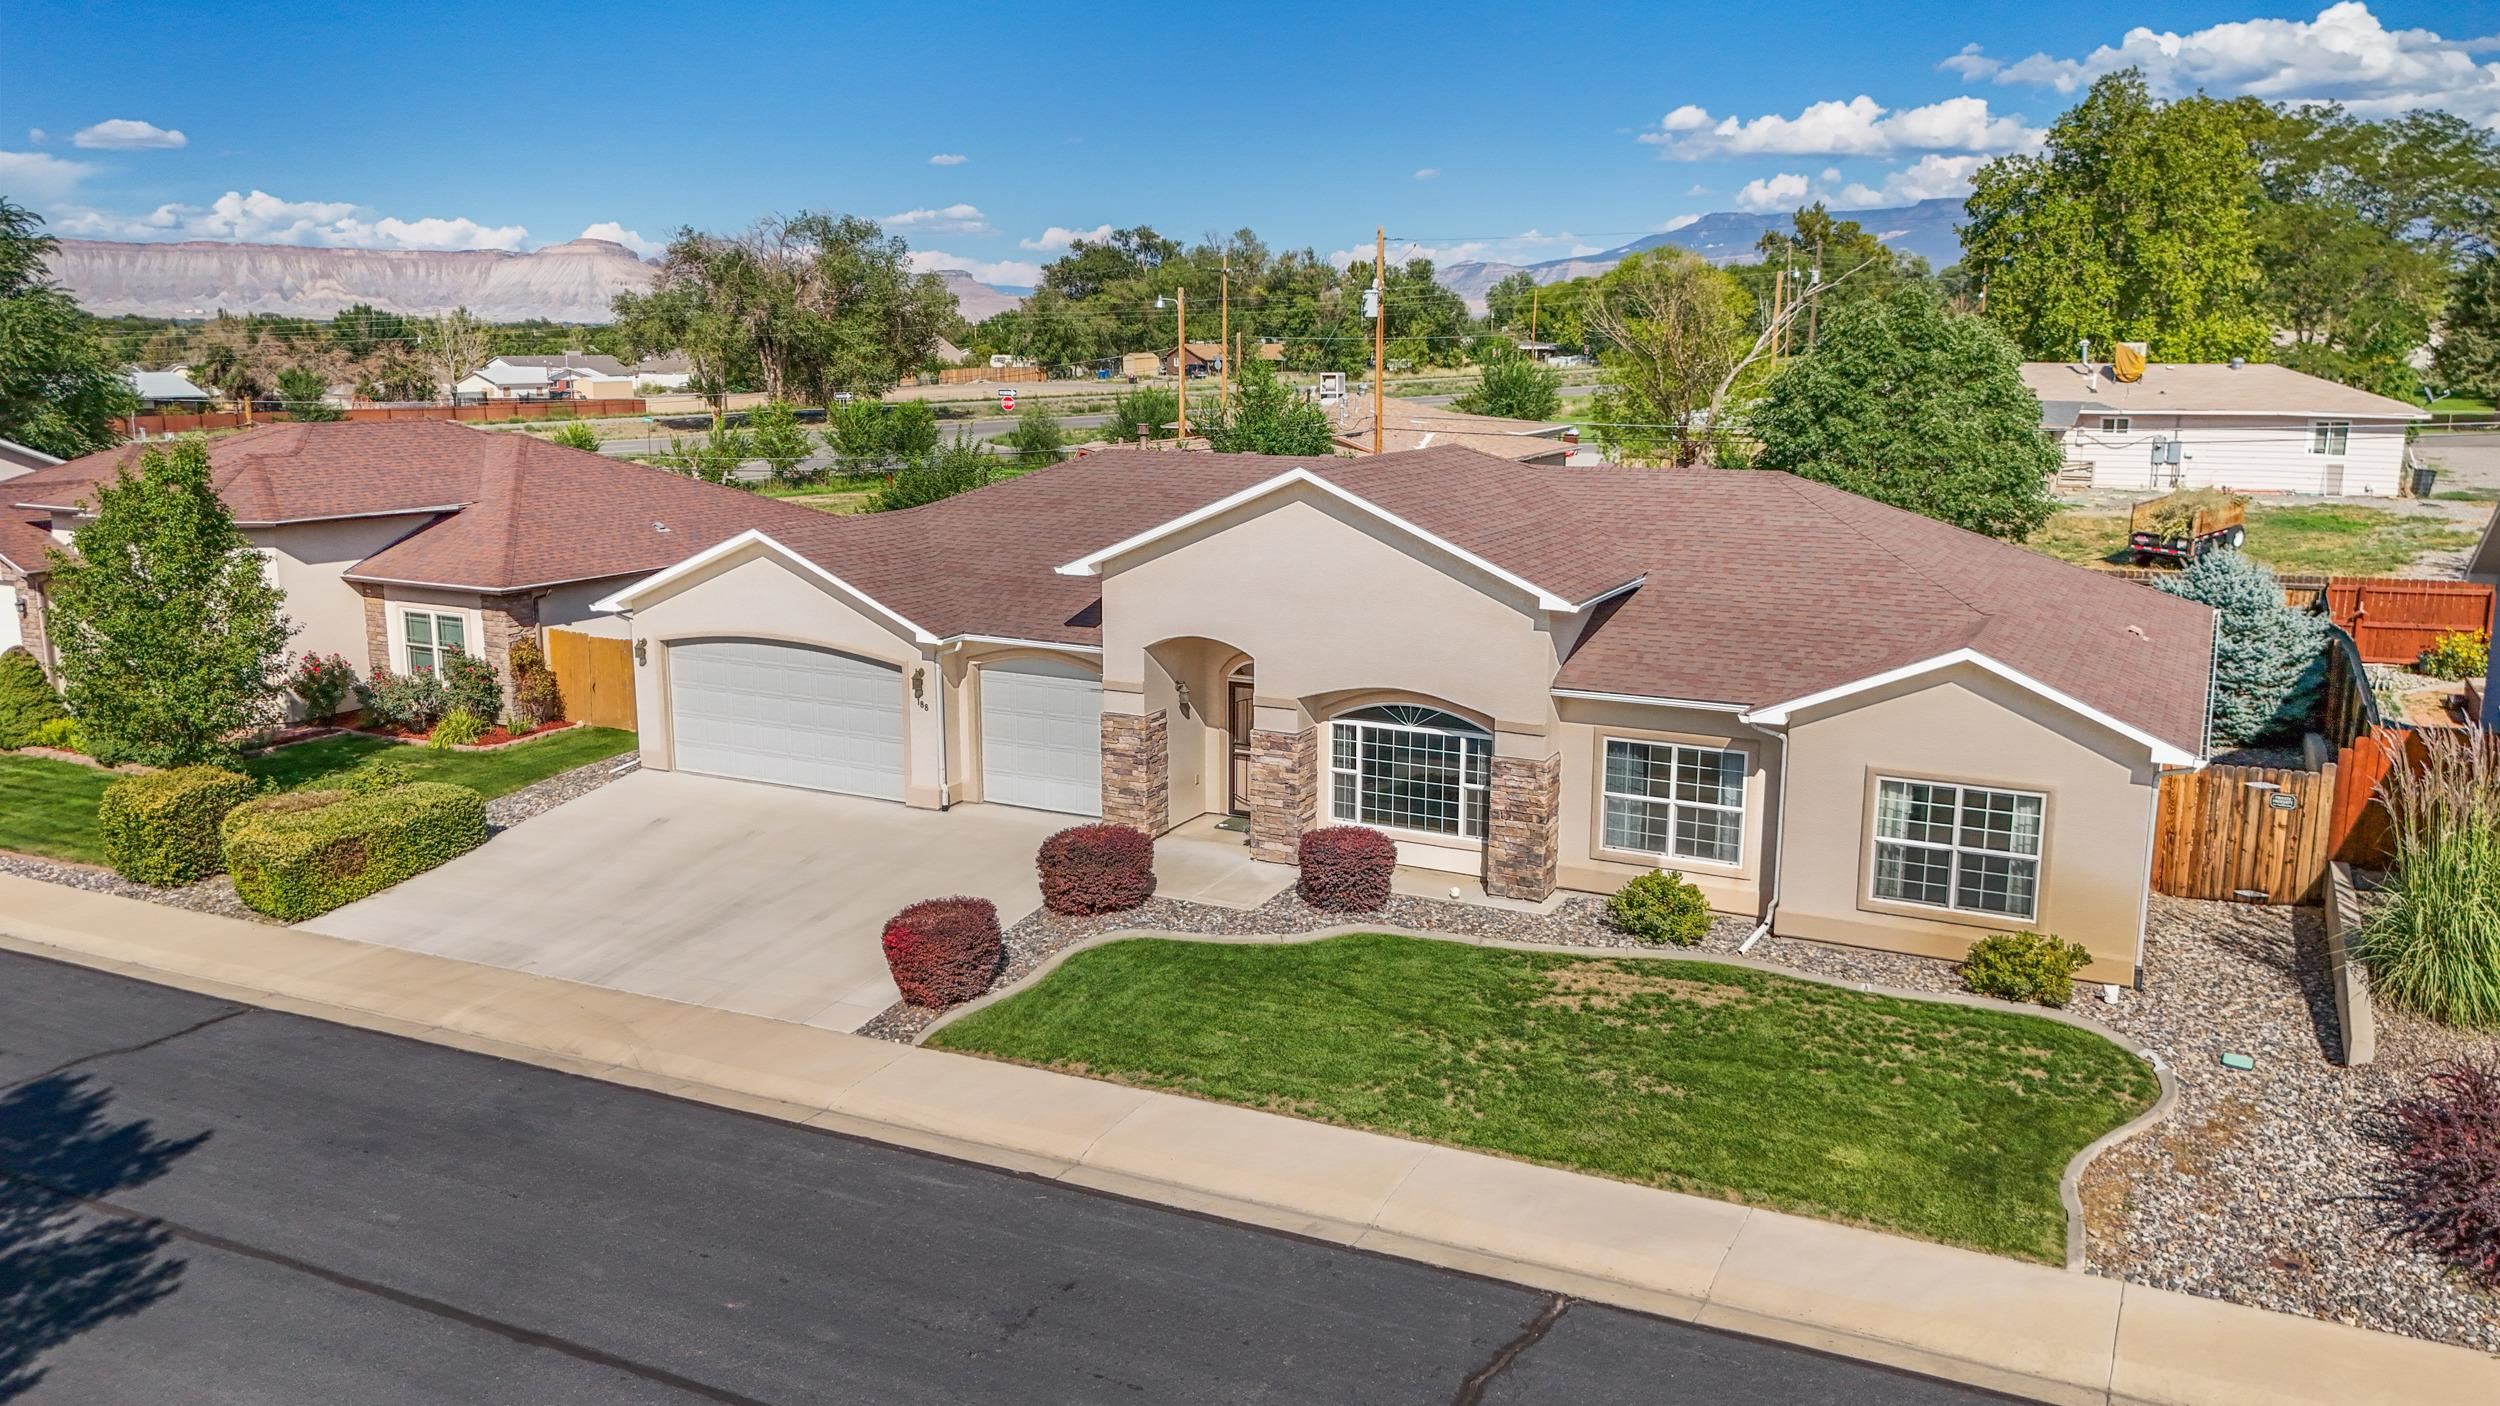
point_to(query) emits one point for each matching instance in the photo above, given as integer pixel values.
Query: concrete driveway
(758, 899)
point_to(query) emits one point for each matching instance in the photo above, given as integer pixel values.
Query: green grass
(2325, 539)
(1938, 1121)
(48, 807)
(2461, 405)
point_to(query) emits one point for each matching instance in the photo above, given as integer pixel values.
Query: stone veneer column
(1136, 779)
(507, 619)
(31, 628)
(377, 629)
(1523, 840)
(1284, 792)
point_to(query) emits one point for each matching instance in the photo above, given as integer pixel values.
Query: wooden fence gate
(596, 676)
(2254, 834)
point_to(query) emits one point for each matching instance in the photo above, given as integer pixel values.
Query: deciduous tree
(1516, 387)
(1268, 417)
(61, 386)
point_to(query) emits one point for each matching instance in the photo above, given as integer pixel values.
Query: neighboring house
(1142, 364)
(17, 459)
(494, 382)
(1205, 358)
(2251, 428)
(946, 353)
(1407, 425)
(167, 390)
(1855, 722)
(393, 541)
(575, 375)
(669, 373)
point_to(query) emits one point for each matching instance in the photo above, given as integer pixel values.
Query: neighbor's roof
(165, 385)
(2208, 388)
(603, 365)
(663, 366)
(1756, 588)
(489, 511)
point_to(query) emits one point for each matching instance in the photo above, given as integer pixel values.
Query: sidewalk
(2025, 1329)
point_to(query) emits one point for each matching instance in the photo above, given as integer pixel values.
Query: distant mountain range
(1728, 237)
(571, 282)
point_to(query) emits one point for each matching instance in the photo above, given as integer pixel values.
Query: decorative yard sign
(2283, 800)
(1006, 398)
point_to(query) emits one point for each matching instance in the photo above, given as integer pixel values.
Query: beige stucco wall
(306, 560)
(751, 595)
(1969, 726)
(568, 608)
(1587, 865)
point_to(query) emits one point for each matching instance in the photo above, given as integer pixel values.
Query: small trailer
(2183, 526)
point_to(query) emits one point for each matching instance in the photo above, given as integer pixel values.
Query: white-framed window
(1973, 849)
(1406, 767)
(2114, 424)
(2329, 436)
(1674, 801)
(428, 634)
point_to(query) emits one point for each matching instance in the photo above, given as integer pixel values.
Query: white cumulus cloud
(39, 175)
(949, 158)
(1015, 273)
(1780, 192)
(2345, 55)
(1060, 237)
(1859, 127)
(1678, 222)
(615, 233)
(1527, 246)
(128, 134)
(958, 218)
(1931, 177)
(262, 218)
(1427, 173)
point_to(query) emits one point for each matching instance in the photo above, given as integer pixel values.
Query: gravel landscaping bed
(216, 895)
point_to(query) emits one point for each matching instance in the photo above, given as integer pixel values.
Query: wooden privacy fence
(489, 413)
(596, 676)
(2393, 619)
(2255, 834)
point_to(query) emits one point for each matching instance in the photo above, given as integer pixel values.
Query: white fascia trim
(1030, 644)
(1091, 564)
(2164, 753)
(1609, 594)
(624, 600)
(1651, 700)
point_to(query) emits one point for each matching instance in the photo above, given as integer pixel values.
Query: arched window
(1408, 767)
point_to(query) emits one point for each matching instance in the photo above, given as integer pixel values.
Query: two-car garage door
(759, 710)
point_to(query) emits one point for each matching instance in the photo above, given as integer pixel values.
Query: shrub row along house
(1860, 723)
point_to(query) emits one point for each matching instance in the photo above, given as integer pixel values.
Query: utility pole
(1224, 340)
(1380, 323)
(1814, 299)
(1535, 292)
(1180, 366)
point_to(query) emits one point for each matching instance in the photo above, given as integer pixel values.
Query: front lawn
(1939, 1121)
(2306, 539)
(48, 807)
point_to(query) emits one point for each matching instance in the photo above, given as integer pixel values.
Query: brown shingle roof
(24, 545)
(1757, 588)
(509, 511)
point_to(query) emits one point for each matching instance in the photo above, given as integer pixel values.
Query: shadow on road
(64, 1270)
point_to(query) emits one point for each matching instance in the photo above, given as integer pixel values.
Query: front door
(1238, 714)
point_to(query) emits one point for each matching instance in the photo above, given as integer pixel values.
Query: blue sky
(988, 135)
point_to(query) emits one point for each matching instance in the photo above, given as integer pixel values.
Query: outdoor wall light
(642, 652)
(920, 684)
(1181, 690)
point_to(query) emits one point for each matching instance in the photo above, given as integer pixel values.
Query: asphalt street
(204, 1202)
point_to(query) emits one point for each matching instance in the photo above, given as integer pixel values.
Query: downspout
(1779, 856)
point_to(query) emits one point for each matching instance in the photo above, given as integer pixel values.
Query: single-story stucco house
(2251, 428)
(393, 541)
(1849, 721)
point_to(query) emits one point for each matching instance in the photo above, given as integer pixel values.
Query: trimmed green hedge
(300, 854)
(27, 699)
(161, 828)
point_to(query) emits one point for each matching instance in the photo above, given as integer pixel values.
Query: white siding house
(2251, 429)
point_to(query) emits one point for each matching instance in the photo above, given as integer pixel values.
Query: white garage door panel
(784, 713)
(11, 633)
(1041, 736)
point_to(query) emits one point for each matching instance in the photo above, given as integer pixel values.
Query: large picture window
(1409, 768)
(1674, 801)
(429, 635)
(1960, 847)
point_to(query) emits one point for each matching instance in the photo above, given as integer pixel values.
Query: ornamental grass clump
(2433, 941)
(2443, 1191)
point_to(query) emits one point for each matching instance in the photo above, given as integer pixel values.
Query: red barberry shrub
(2443, 1190)
(1089, 869)
(1345, 868)
(944, 951)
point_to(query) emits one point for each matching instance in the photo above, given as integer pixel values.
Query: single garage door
(785, 713)
(1041, 736)
(11, 634)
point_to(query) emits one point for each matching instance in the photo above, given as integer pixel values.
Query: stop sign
(1006, 400)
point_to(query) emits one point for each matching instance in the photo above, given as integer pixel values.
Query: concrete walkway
(1991, 1322)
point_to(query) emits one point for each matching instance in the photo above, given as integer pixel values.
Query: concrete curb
(2069, 1184)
